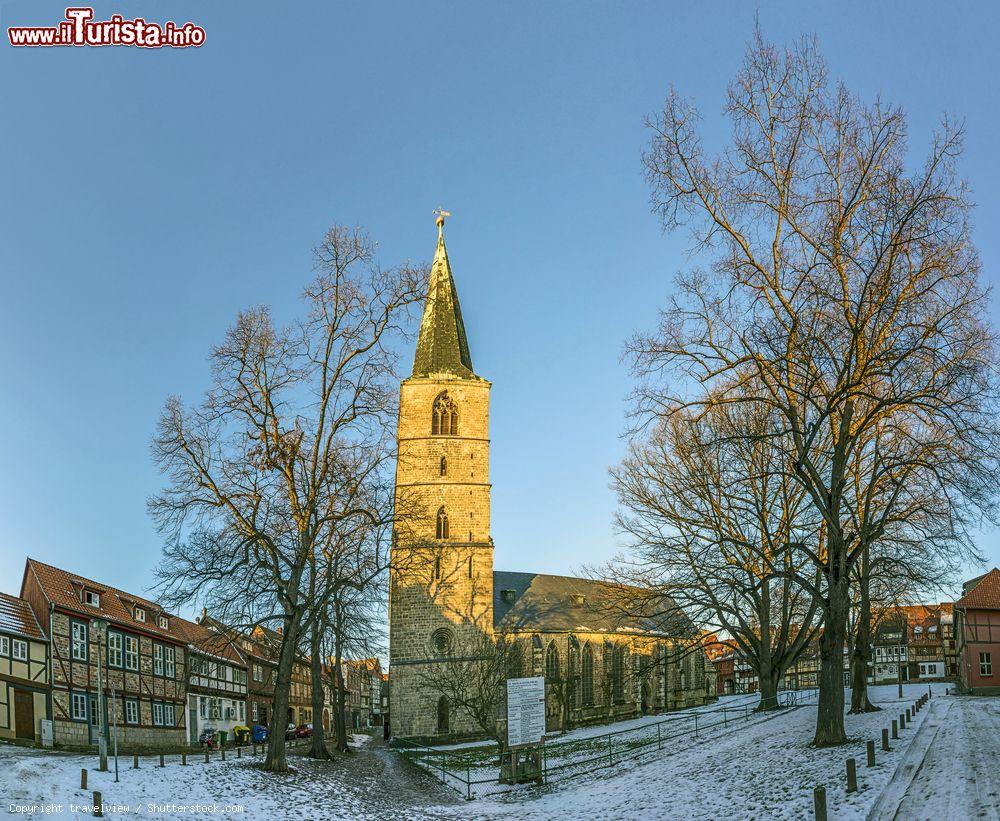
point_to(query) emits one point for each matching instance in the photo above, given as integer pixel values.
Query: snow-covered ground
(952, 768)
(367, 785)
(764, 770)
(943, 767)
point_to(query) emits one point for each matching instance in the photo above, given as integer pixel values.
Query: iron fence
(475, 772)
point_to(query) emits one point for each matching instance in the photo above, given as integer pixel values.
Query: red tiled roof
(16, 616)
(985, 595)
(208, 641)
(62, 588)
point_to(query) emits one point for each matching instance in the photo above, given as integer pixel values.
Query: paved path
(954, 772)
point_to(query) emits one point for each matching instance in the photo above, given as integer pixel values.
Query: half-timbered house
(117, 661)
(216, 683)
(24, 671)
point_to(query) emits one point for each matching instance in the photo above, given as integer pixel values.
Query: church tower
(441, 580)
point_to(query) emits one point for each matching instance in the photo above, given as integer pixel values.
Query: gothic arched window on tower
(442, 523)
(444, 420)
(444, 465)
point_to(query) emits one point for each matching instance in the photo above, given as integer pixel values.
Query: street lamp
(100, 625)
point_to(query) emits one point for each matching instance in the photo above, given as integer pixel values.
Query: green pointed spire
(442, 346)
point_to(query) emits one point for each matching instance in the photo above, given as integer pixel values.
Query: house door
(24, 714)
(192, 717)
(95, 720)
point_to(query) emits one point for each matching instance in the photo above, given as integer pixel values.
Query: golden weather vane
(441, 214)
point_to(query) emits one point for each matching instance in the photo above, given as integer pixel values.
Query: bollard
(135, 761)
(929, 693)
(909, 716)
(885, 739)
(871, 753)
(98, 803)
(184, 759)
(255, 750)
(819, 803)
(852, 775)
(223, 753)
(239, 752)
(83, 778)
(161, 759)
(206, 755)
(902, 721)
(895, 733)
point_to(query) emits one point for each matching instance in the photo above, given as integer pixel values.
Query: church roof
(442, 346)
(566, 604)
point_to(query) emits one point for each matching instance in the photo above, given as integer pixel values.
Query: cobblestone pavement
(383, 784)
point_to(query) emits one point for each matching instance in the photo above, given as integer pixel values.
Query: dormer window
(918, 629)
(577, 598)
(140, 614)
(92, 598)
(164, 623)
(507, 596)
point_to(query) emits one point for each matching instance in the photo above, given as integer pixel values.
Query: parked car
(290, 731)
(259, 734)
(304, 731)
(209, 738)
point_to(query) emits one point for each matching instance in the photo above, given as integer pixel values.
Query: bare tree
(715, 519)
(845, 288)
(280, 451)
(356, 627)
(473, 679)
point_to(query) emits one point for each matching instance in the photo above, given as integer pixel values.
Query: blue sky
(148, 196)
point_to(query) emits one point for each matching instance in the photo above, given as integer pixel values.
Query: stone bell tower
(441, 580)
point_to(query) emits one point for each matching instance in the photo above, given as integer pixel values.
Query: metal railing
(476, 773)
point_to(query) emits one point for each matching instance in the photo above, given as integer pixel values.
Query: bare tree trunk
(276, 760)
(830, 711)
(862, 651)
(768, 674)
(318, 748)
(340, 678)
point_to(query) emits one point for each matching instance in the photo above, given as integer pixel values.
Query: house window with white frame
(157, 714)
(131, 653)
(163, 622)
(79, 702)
(4, 646)
(92, 598)
(169, 717)
(78, 640)
(114, 649)
(20, 650)
(169, 662)
(131, 711)
(157, 659)
(258, 673)
(254, 712)
(140, 614)
(985, 664)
